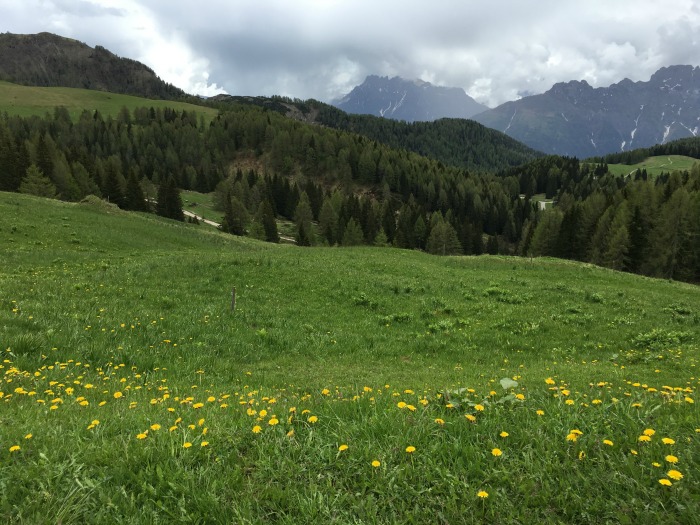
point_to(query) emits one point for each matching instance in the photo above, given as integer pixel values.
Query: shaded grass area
(125, 319)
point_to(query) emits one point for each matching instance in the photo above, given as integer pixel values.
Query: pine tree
(267, 217)
(328, 222)
(302, 218)
(443, 240)
(169, 201)
(35, 183)
(352, 236)
(134, 199)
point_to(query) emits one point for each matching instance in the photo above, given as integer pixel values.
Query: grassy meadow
(358, 385)
(26, 101)
(655, 165)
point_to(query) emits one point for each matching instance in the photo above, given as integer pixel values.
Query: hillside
(575, 119)
(453, 142)
(411, 101)
(49, 60)
(26, 101)
(129, 379)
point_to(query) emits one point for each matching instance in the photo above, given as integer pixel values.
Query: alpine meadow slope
(346, 385)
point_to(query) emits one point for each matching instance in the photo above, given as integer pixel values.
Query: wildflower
(411, 408)
(479, 408)
(671, 459)
(376, 463)
(14, 448)
(496, 452)
(401, 404)
(540, 412)
(155, 427)
(187, 444)
(482, 494)
(688, 399)
(649, 432)
(596, 402)
(581, 455)
(550, 381)
(200, 422)
(643, 438)
(142, 435)
(257, 429)
(470, 418)
(28, 436)
(571, 437)
(577, 432)
(204, 443)
(313, 419)
(410, 449)
(439, 421)
(674, 474)
(341, 448)
(656, 464)
(290, 433)
(608, 442)
(325, 392)
(263, 413)
(211, 399)
(668, 441)
(633, 452)
(117, 395)
(197, 405)
(665, 482)
(520, 397)
(569, 402)
(504, 434)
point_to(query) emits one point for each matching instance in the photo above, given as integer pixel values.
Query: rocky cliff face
(575, 119)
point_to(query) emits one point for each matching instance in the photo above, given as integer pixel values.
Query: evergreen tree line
(341, 188)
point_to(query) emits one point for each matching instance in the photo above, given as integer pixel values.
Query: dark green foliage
(443, 240)
(134, 198)
(235, 216)
(169, 201)
(267, 217)
(352, 236)
(35, 183)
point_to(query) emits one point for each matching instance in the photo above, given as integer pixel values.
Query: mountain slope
(575, 119)
(401, 99)
(49, 60)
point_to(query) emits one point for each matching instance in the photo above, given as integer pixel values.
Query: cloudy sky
(497, 50)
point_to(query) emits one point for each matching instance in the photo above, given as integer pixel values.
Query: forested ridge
(454, 142)
(343, 188)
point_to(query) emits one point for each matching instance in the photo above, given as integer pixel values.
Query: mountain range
(575, 119)
(409, 100)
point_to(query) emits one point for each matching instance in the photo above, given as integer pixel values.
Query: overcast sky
(497, 50)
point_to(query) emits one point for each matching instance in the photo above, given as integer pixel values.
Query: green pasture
(26, 101)
(348, 385)
(655, 165)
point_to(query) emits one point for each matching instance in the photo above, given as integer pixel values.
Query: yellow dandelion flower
(290, 433)
(668, 441)
(671, 459)
(187, 444)
(197, 405)
(325, 392)
(479, 408)
(376, 463)
(504, 434)
(173, 428)
(649, 432)
(313, 419)
(410, 449)
(204, 443)
(569, 402)
(401, 404)
(273, 421)
(644, 438)
(633, 452)
(550, 381)
(674, 474)
(411, 408)
(155, 427)
(482, 494)
(14, 448)
(142, 435)
(496, 452)
(581, 455)
(572, 437)
(200, 422)
(608, 442)
(596, 402)
(28, 436)
(263, 413)
(688, 399)
(665, 482)
(540, 412)
(470, 418)
(656, 464)
(521, 397)
(439, 421)
(257, 429)
(341, 448)
(577, 432)
(117, 395)
(211, 399)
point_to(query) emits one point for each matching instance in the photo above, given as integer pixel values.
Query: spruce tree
(169, 202)
(35, 183)
(134, 199)
(268, 221)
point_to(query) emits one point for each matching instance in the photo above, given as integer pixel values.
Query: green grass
(26, 101)
(200, 204)
(655, 165)
(386, 348)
